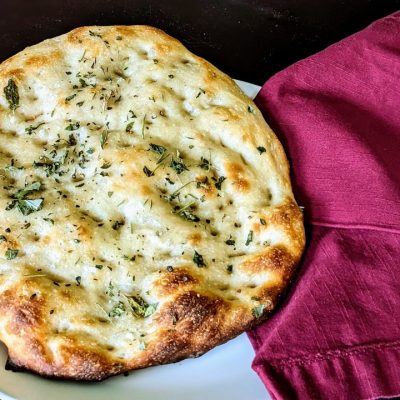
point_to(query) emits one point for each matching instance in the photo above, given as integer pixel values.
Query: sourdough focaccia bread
(146, 211)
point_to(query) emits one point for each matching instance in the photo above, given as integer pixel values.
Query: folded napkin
(337, 334)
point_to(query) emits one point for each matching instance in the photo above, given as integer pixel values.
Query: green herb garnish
(103, 138)
(157, 148)
(229, 268)
(48, 165)
(106, 165)
(178, 166)
(83, 83)
(204, 164)
(11, 254)
(91, 33)
(189, 216)
(140, 307)
(71, 140)
(251, 110)
(258, 311)
(218, 184)
(198, 259)
(73, 126)
(28, 206)
(27, 190)
(69, 98)
(230, 242)
(262, 221)
(29, 130)
(12, 95)
(12, 167)
(148, 172)
(261, 149)
(129, 126)
(116, 225)
(249, 238)
(78, 280)
(201, 92)
(117, 310)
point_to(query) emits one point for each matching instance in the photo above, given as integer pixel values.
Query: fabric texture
(337, 113)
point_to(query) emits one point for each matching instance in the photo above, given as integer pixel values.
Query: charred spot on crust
(40, 60)
(275, 258)
(26, 312)
(194, 238)
(236, 175)
(174, 280)
(88, 365)
(77, 34)
(192, 310)
(289, 218)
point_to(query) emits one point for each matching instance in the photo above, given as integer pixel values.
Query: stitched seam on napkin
(329, 354)
(355, 226)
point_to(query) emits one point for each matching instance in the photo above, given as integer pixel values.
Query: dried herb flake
(12, 95)
(11, 254)
(258, 311)
(198, 259)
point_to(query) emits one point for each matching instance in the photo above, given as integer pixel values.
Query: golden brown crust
(162, 222)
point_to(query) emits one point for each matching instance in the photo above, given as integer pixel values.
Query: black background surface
(249, 40)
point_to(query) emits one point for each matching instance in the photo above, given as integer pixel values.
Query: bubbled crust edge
(207, 320)
(204, 321)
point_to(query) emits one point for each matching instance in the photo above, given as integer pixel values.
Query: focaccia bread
(146, 210)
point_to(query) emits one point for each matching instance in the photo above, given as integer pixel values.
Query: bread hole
(221, 207)
(214, 233)
(222, 143)
(237, 225)
(252, 286)
(110, 348)
(185, 61)
(102, 320)
(224, 288)
(231, 298)
(230, 202)
(150, 81)
(239, 291)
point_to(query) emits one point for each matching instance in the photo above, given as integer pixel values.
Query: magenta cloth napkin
(337, 335)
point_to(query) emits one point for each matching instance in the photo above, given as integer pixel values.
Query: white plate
(223, 373)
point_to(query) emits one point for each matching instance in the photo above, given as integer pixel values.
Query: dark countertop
(249, 40)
